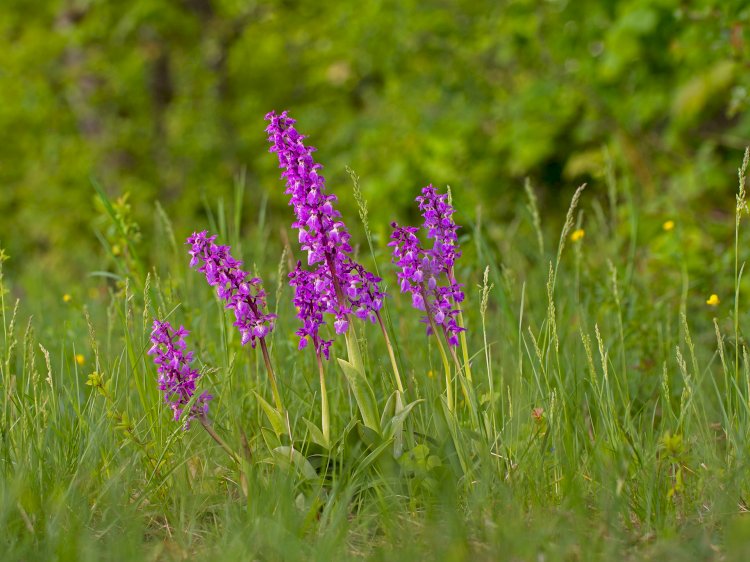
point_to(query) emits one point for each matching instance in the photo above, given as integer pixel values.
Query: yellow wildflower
(67, 298)
(430, 374)
(668, 225)
(713, 300)
(80, 359)
(578, 233)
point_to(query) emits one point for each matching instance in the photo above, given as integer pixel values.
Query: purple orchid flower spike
(438, 222)
(177, 380)
(240, 292)
(427, 274)
(337, 284)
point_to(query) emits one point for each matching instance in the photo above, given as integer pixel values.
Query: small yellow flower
(80, 359)
(430, 374)
(713, 300)
(116, 250)
(67, 298)
(668, 225)
(578, 233)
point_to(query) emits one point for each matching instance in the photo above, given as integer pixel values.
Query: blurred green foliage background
(164, 99)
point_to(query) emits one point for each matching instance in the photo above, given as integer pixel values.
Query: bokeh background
(164, 100)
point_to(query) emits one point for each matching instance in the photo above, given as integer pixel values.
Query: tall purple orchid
(336, 284)
(427, 273)
(240, 292)
(177, 379)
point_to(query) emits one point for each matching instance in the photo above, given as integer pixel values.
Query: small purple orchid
(240, 292)
(176, 378)
(337, 284)
(438, 222)
(428, 273)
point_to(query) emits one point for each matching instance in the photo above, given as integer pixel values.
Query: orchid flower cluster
(428, 273)
(176, 378)
(330, 283)
(240, 292)
(336, 284)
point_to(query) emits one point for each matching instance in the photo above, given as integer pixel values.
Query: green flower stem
(271, 376)
(325, 415)
(466, 388)
(392, 356)
(215, 436)
(462, 335)
(443, 355)
(354, 368)
(355, 374)
(464, 348)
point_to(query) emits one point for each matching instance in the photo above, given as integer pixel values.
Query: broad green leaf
(369, 437)
(270, 438)
(398, 419)
(363, 394)
(273, 415)
(291, 458)
(370, 458)
(316, 434)
(388, 410)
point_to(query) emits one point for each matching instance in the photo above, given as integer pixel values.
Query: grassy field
(605, 413)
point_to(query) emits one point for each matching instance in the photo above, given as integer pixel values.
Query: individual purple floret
(239, 291)
(428, 273)
(337, 285)
(176, 378)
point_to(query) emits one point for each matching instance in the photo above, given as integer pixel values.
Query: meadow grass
(605, 416)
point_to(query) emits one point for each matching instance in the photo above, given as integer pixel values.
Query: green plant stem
(271, 376)
(488, 364)
(354, 368)
(215, 436)
(269, 368)
(324, 412)
(462, 335)
(739, 208)
(2, 309)
(464, 348)
(443, 354)
(467, 391)
(737, 278)
(392, 356)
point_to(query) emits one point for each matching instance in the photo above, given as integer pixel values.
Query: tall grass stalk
(740, 209)
(364, 218)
